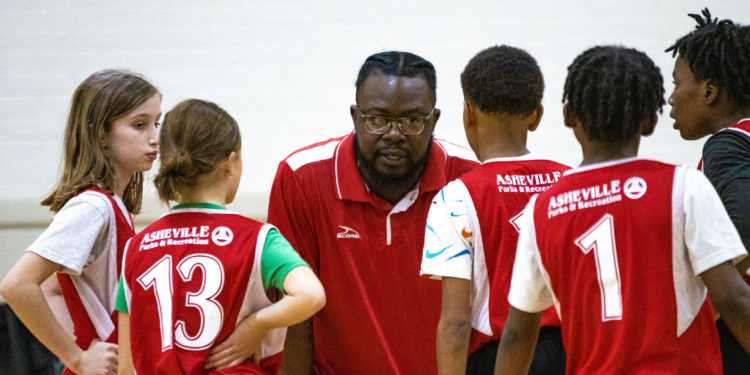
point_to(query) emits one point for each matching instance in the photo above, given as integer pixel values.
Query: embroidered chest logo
(347, 233)
(635, 187)
(222, 236)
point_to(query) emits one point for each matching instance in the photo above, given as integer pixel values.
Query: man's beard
(389, 178)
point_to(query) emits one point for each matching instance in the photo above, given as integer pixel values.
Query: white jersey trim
(527, 157)
(97, 284)
(451, 149)
(601, 165)
(318, 153)
(256, 299)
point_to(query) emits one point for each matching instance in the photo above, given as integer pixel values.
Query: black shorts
(734, 358)
(549, 356)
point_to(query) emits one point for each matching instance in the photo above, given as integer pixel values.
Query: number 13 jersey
(189, 279)
(618, 248)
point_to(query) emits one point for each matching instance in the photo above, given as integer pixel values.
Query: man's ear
(712, 90)
(436, 114)
(536, 118)
(353, 112)
(649, 125)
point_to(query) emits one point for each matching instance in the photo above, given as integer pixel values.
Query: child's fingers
(236, 363)
(223, 363)
(223, 346)
(219, 356)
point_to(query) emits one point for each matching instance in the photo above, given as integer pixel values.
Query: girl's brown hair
(102, 98)
(195, 137)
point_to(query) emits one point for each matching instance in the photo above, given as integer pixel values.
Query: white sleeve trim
(710, 235)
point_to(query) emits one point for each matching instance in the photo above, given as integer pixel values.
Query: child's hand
(242, 344)
(99, 359)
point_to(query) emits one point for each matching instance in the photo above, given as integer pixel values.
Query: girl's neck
(205, 193)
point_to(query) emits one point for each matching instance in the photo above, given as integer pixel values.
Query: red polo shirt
(380, 317)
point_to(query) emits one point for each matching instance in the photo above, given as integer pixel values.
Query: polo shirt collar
(351, 186)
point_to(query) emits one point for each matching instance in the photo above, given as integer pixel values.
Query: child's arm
(516, 350)
(125, 357)
(56, 302)
(21, 290)
(730, 296)
(304, 297)
(454, 329)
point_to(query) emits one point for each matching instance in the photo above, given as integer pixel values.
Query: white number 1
(601, 238)
(159, 276)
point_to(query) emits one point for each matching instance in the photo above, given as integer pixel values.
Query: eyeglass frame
(390, 121)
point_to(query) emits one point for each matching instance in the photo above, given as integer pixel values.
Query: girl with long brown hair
(111, 138)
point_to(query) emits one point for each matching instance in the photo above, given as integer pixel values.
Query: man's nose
(394, 133)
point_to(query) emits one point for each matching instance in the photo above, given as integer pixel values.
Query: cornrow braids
(719, 51)
(612, 90)
(398, 64)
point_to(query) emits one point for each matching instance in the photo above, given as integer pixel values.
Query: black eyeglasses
(407, 125)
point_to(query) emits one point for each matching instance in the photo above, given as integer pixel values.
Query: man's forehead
(383, 88)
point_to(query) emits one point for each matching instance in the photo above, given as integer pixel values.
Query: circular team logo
(634, 187)
(222, 236)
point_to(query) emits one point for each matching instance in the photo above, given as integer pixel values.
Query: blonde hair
(195, 137)
(97, 102)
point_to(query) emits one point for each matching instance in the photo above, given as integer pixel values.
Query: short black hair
(612, 90)
(719, 51)
(398, 64)
(503, 79)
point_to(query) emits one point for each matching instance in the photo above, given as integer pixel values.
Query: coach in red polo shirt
(355, 208)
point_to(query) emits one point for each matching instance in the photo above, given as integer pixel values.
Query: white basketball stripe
(318, 153)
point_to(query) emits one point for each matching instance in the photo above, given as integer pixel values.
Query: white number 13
(159, 276)
(601, 238)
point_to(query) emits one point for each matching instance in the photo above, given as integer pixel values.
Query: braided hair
(718, 51)
(503, 79)
(398, 64)
(612, 90)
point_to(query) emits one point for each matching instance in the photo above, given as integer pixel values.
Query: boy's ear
(568, 117)
(469, 120)
(649, 125)
(536, 118)
(712, 90)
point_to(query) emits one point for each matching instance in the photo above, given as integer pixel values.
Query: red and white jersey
(618, 248)
(380, 316)
(189, 279)
(90, 296)
(472, 234)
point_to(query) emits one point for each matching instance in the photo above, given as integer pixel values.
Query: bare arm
(21, 290)
(125, 357)
(454, 329)
(518, 343)
(731, 298)
(56, 302)
(305, 297)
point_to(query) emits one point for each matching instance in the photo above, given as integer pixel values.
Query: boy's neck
(599, 152)
(501, 136)
(730, 118)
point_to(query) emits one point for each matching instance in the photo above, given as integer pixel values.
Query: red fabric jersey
(499, 191)
(189, 278)
(91, 318)
(619, 248)
(380, 315)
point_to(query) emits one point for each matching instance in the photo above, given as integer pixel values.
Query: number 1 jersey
(618, 248)
(189, 279)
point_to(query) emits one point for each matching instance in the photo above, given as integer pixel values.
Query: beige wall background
(286, 70)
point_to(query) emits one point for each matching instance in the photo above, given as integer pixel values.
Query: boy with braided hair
(712, 97)
(626, 249)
